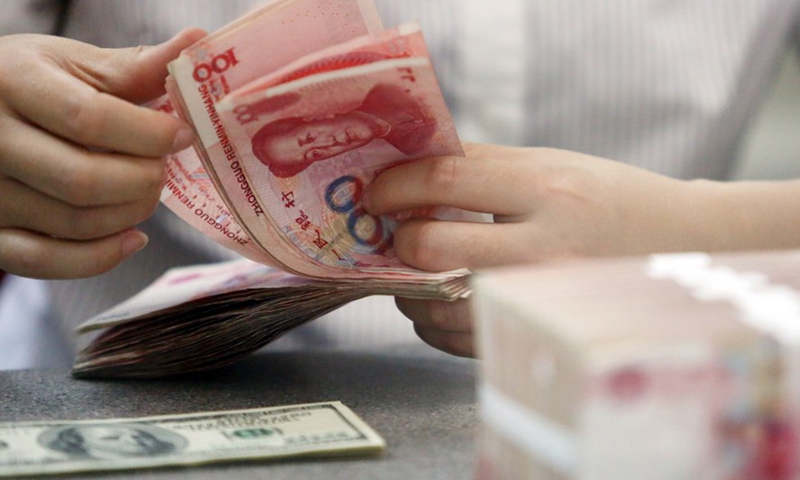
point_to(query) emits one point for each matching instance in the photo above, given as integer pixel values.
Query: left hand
(81, 163)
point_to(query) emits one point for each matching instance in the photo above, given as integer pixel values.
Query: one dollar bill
(330, 428)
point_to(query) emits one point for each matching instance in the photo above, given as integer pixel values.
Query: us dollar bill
(329, 428)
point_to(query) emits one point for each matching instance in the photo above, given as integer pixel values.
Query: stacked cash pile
(207, 316)
(683, 366)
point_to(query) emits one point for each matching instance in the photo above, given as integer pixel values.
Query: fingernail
(183, 139)
(133, 242)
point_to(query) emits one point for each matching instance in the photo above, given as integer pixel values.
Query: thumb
(137, 74)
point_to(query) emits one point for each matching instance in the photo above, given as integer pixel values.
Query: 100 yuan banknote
(36, 448)
(229, 58)
(310, 146)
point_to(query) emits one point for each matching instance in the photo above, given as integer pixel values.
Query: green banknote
(321, 429)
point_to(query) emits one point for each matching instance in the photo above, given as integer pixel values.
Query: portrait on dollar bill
(289, 145)
(111, 441)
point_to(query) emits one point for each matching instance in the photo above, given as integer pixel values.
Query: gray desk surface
(420, 400)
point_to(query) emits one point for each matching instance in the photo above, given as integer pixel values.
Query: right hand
(554, 204)
(80, 162)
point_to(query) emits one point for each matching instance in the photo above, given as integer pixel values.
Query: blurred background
(772, 149)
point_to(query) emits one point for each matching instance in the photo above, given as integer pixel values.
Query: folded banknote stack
(296, 108)
(676, 366)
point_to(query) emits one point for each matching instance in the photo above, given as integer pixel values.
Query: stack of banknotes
(296, 108)
(677, 366)
(207, 316)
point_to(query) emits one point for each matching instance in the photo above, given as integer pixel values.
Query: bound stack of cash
(680, 366)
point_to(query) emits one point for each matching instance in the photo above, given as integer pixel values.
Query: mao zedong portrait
(289, 145)
(112, 441)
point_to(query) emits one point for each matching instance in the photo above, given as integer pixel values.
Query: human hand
(547, 204)
(80, 162)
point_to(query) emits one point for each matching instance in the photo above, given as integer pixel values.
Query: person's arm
(550, 204)
(80, 162)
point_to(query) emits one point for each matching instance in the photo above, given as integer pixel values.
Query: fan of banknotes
(296, 108)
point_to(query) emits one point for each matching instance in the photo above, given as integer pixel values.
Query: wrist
(753, 215)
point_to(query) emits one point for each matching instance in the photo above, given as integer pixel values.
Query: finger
(454, 343)
(476, 182)
(23, 207)
(72, 174)
(436, 245)
(447, 326)
(455, 316)
(87, 98)
(28, 254)
(137, 74)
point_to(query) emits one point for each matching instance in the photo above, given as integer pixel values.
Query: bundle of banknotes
(678, 366)
(207, 316)
(296, 108)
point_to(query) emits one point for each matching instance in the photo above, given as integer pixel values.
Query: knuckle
(415, 244)
(95, 223)
(137, 51)
(86, 119)
(78, 185)
(25, 258)
(33, 262)
(565, 180)
(153, 177)
(442, 174)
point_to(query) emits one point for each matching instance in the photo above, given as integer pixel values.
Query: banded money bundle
(683, 366)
